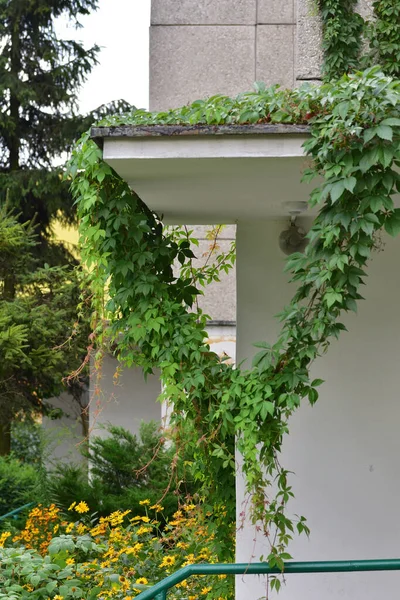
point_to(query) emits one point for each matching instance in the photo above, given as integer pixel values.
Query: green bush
(27, 442)
(125, 469)
(19, 483)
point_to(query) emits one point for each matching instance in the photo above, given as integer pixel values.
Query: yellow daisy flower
(82, 507)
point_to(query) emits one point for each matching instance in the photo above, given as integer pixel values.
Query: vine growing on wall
(348, 41)
(384, 36)
(342, 29)
(148, 313)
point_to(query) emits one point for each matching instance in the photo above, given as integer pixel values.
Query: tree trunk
(5, 436)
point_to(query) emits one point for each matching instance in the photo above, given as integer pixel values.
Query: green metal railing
(159, 590)
(14, 513)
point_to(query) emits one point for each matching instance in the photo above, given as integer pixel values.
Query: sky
(121, 28)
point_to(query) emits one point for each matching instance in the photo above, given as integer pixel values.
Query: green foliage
(342, 30)
(27, 441)
(40, 339)
(117, 556)
(355, 149)
(20, 483)
(125, 469)
(40, 76)
(384, 36)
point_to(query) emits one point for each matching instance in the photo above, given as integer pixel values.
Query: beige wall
(200, 48)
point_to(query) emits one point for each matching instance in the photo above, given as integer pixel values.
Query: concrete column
(345, 451)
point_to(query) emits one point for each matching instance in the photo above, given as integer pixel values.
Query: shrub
(20, 483)
(27, 441)
(124, 470)
(115, 557)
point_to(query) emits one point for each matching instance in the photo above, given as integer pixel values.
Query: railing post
(161, 595)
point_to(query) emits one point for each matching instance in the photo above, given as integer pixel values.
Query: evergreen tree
(40, 75)
(35, 351)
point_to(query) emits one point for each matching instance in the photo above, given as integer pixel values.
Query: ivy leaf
(337, 190)
(369, 134)
(343, 109)
(392, 223)
(385, 132)
(369, 159)
(391, 121)
(331, 297)
(267, 408)
(350, 183)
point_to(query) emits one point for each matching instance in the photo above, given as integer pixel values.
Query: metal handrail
(14, 512)
(159, 590)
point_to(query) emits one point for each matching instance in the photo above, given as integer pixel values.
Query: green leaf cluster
(142, 306)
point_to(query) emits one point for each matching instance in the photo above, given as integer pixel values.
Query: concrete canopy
(207, 174)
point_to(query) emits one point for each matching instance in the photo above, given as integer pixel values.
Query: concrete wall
(345, 450)
(125, 401)
(63, 436)
(200, 48)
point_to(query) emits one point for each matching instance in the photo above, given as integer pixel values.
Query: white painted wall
(63, 436)
(345, 451)
(126, 401)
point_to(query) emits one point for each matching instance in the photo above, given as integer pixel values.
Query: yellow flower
(72, 506)
(192, 597)
(182, 545)
(82, 507)
(157, 507)
(143, 502)
(142, 530)
(142, 580)
(145, 519)
(58, 597)
(205, 590)
(167, 561)
(189, 507)
(70, 561)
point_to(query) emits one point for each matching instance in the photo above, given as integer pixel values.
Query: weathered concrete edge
(98, 134)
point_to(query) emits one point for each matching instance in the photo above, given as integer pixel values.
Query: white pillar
(345, 451)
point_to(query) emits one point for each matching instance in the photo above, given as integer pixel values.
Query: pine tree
(35, 351)
(40, 76)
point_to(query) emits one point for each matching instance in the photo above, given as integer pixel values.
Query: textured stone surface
(308, 44)
(189, 62)
(364, 7)
(203, 12)
(275, 11)
(275, 54)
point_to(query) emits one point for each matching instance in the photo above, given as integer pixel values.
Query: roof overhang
(207, 174)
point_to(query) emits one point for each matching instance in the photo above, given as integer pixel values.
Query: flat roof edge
(98, 134)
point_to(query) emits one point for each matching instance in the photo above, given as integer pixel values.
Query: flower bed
(117, 556)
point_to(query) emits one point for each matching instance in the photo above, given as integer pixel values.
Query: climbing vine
(342, 29)
(343, 33)
(142, 307)
(384, 36)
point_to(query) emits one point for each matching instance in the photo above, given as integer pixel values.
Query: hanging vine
(142, 308)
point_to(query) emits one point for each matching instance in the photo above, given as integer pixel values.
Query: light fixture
(293, 239)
